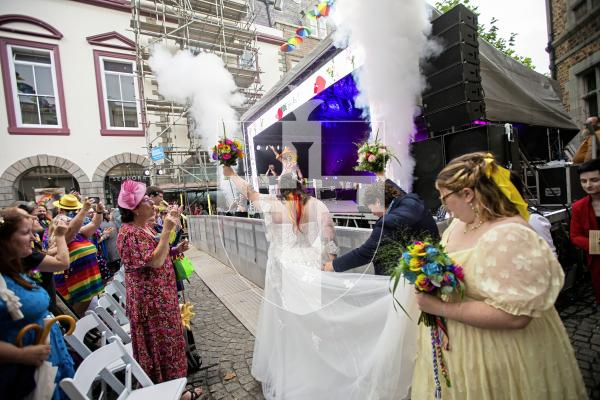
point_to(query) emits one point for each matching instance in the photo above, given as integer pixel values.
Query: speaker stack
(454, 96)
(433, 154)
(558, 185)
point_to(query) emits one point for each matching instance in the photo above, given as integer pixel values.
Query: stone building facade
(574, 47)
(286, 16)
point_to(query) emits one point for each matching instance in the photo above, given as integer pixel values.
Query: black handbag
(194, 361)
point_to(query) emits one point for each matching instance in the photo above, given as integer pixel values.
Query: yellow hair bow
(501, 178)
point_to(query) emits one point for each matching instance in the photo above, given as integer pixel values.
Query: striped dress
(82, 280)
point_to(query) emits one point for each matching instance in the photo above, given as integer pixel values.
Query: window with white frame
(120, 88)
(590, 80)
(33, 79)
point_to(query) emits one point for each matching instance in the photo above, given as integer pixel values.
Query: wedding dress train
(327, 335)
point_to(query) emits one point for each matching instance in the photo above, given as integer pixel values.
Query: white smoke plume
(203, 82)
(392, 35)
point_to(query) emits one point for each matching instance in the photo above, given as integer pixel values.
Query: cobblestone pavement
(224, 341)
(581, 317)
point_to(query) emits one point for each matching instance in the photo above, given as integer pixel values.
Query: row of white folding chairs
(77, 342)
(98, 365)
(114, 300)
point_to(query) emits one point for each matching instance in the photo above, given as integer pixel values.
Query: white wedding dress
(327, 335)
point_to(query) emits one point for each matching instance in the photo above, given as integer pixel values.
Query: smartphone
(96, 199)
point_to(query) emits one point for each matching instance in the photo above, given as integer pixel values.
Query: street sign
(157, 153)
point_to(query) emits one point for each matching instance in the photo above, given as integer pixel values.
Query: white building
(69, 98)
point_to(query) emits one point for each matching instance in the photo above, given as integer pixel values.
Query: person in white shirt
(538, 222)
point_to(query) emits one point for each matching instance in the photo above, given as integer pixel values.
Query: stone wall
(572, 43)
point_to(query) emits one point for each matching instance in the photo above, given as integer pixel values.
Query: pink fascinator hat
(131, 194)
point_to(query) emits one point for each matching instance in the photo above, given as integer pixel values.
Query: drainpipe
(550, 49)
(267, 3)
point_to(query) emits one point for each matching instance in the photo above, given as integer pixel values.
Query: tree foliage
(490, 34)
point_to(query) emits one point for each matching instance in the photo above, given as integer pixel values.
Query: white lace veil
(326, 335)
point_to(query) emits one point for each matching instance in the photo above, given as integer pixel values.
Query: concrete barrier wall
(242, 244)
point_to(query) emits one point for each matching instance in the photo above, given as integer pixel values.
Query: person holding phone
(82, 280)
(152, 302)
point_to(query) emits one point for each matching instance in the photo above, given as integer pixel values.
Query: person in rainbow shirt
(79, 283)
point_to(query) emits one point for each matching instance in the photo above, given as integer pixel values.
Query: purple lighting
(480, 122)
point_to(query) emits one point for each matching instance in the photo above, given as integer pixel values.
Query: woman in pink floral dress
(152, 304)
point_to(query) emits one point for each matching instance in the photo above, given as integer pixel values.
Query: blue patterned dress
(34, 308)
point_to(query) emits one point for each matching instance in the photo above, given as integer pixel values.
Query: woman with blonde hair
(506, 338)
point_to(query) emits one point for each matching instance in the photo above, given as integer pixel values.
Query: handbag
(183, 267)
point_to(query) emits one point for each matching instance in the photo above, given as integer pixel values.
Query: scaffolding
(222, 27)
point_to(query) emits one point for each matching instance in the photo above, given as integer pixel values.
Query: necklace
(472, 228)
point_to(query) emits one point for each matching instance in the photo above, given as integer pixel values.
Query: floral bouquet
(432, 271)
(227, 151)
(373, 156)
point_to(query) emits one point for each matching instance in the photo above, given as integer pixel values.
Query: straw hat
(68, 202)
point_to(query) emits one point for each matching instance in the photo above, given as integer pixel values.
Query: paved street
(224, 341)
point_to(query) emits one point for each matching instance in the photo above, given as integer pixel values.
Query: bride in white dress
(324, 335)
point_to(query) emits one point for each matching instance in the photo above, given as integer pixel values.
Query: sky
(525, 17)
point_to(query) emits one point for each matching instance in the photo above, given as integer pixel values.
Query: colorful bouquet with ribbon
(432, 271)
(373, 156)
(227, 151)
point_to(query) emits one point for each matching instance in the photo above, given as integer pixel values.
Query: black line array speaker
(454, 96)
(490, 138)
(459, 14)
(429, 156)
(433, 154)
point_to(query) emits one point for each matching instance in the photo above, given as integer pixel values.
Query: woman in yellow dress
(506, 338)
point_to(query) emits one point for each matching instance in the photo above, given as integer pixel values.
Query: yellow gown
(510, 268)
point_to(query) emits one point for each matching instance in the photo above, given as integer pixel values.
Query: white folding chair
(119, 276)
(78, 387)
(117, 290)
(83, 326)
(121, 331)
(76, 341)
(112, 305)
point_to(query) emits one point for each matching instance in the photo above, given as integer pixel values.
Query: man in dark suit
(399, 212)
